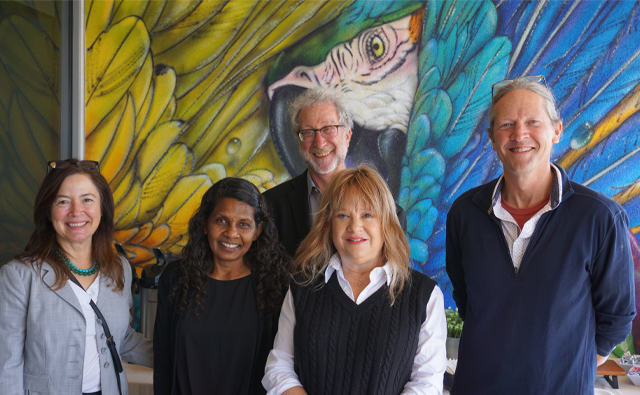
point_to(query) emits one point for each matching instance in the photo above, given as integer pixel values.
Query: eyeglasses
(65, 164)
(326, 132)
(528, 78)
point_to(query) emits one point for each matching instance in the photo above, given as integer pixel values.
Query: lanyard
(117, 364)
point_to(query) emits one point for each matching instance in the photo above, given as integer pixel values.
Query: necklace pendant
(359, 282)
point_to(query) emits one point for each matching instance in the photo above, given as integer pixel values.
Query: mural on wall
(182, 93)
(29, 112)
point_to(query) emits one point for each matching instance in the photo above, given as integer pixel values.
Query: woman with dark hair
(358, 320)
(53, 340)
(218, 306)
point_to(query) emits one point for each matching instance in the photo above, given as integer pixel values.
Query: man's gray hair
(534, 87)
(314, 96)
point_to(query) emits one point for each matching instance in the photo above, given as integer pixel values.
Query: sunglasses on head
(528, 78)
(65, 164)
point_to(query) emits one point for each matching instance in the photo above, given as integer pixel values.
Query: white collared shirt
(518, 239)
(91, 366)
(428, 365)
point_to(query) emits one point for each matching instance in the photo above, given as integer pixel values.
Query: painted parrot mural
(179, 94)
(585, 50)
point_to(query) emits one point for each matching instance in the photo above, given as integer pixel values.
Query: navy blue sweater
(537, 330)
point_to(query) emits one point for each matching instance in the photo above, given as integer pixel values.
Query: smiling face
(75, 213)
(523, 134)
(323, 156)
(231, 229)
(357, 235)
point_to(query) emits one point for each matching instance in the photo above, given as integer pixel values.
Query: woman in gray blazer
(52, 340)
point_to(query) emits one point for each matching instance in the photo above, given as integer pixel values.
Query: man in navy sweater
(541, 266)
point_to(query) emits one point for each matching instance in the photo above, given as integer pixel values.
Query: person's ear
(557, 132)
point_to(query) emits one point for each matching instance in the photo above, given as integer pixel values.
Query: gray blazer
(42, 333)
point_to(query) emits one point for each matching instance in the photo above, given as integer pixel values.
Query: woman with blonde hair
(358, 319)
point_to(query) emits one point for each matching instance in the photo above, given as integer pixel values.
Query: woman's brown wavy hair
(43, 242)
(345, 189)
(267, 258)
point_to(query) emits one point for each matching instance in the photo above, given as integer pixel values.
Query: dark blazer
(289, 203)
(166, 330)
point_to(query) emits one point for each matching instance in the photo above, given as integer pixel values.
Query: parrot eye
(376, 47)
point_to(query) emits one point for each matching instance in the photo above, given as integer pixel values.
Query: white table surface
(140, 379)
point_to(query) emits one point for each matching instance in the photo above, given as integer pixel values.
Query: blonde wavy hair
(345, 189)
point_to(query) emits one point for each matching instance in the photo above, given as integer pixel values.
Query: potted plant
(454, 330)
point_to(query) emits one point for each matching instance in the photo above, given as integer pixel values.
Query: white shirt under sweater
(91, 366)
(428, 365)
(518, 239)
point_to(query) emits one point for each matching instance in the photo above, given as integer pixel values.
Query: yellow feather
(169, 112)
(112, 64)
(123, 236)
(267, 158)
(182, 202)
(121, 189)
(139, 254)
(143, 232)
(127, 209)
(120, 146)
(141, 112)
(158, 236)
(628, 193)
(263, 179)
(153, 12)
(203, 127)
(215, 171)
(174, 11)
(246, 100)
(97, 14)
(182, 30)
(140, 86)
(97, 142)
(162, 95)
(616, 117)
(257, 45)
(198, 50)
(156, 145)
(186, 82)
(162, 178)
(127, 8)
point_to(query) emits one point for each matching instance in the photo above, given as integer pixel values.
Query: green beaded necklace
(82, 272)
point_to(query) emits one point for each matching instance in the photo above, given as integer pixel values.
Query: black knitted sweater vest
(344, 348)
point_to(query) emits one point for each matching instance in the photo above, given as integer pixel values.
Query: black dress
(216, 348)
(233, 333)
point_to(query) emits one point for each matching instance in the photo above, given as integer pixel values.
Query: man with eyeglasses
(322, 124)
(541, 266)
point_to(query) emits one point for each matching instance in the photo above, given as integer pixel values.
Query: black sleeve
(454, 266)
(163, 333)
